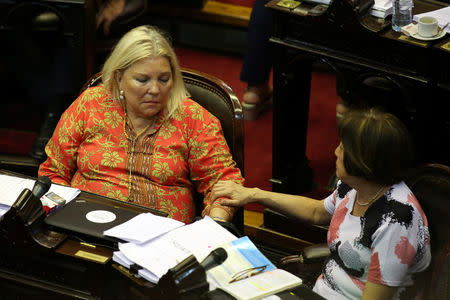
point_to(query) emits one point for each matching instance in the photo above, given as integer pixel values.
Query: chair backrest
(220, 100)
(430, 184)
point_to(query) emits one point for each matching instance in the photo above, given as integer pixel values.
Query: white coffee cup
(428, 26)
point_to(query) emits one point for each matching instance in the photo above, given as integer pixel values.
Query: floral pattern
(94, 149)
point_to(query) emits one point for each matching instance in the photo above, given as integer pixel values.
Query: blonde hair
(139, 43)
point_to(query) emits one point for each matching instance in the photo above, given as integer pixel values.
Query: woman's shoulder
(400, 192)
(193, 110)
(97, 96)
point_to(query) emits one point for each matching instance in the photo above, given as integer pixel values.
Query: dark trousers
(258, 59)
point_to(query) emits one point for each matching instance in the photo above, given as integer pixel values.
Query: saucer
(431, 38)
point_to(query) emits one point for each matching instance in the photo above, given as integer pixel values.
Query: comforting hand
(233, 194)
(109, 11)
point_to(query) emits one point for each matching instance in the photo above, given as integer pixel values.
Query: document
(248, 274)
(121, 259)
(242, 256)
(165, 251)
(245, 274)
(262, 285)
(143, 227)
(12, 186)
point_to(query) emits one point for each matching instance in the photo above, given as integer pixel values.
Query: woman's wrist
(253, 195)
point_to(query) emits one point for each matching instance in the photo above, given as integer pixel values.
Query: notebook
(86, 221)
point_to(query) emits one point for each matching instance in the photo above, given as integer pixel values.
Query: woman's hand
(233, 194)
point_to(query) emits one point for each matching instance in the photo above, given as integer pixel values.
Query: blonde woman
(139, 138)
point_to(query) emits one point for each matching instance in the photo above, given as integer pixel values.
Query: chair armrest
(315, 253)
(307, 264)
(311, 254)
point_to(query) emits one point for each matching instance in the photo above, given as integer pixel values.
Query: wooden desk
(36, 262)
(355, 47)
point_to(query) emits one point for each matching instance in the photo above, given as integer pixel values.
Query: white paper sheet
(166, 251)
(143, 228)
(11, 187)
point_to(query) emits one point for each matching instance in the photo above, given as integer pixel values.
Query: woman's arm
(62, 148)
(302, 208)
(210, 160)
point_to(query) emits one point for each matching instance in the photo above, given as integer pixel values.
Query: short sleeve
(330, 201)
(399, 245)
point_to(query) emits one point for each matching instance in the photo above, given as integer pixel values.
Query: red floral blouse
(94, 149)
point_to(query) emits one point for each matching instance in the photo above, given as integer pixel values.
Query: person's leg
(258, 60)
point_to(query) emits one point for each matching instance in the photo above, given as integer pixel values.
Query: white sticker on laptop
(100, 216)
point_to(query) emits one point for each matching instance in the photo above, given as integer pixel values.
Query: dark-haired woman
(378, 234)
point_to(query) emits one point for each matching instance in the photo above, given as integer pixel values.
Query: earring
(121, 97)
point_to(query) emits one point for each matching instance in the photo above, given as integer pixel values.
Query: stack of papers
(12, 186)
(442, 15)
(381, 8)
(157, 244)
(155, 254)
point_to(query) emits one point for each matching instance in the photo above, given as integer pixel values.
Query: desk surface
(68, 269)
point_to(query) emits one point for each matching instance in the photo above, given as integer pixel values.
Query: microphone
(32, 206)
(41, 186)
(215, 258)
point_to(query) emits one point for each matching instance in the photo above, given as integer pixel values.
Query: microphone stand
(185, 281)
(22, 224)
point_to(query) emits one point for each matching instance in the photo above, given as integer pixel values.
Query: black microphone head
(219, 255)
(41, 186)
(215, 258)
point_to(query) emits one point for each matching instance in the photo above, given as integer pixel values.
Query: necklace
(375, 197)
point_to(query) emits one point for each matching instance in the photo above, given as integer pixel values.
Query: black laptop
(87, 220)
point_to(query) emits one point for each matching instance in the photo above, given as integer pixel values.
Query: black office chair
(219, 99)
(430, 183)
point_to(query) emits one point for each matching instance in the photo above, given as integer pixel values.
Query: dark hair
(377, 146)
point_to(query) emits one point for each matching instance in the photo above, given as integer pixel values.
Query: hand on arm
(109, 11)
(214, 164)
(303, 208)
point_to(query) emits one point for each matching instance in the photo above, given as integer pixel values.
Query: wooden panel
(254, 228)
(228, 13)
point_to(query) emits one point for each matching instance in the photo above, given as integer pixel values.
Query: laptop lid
(86, 221)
